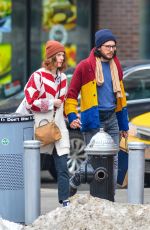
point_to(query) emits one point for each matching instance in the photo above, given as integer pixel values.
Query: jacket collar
(92, 62)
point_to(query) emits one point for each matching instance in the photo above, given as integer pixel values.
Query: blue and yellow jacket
(83, 82)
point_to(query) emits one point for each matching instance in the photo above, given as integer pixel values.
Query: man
(98, 79)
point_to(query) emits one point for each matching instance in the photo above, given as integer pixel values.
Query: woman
(45, 94)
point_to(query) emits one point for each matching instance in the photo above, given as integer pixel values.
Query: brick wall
(123, 17)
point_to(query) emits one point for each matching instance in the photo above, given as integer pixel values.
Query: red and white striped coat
(40, 92)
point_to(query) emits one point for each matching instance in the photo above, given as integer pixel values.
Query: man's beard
(99, 54)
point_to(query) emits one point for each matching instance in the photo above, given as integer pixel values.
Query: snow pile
(7, 225)
(88, 213)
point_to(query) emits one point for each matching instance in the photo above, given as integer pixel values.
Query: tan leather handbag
(48, 133)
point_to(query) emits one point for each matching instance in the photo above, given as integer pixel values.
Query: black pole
(93, 22)
(28, 36)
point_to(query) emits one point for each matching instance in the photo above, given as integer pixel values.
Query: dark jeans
(110, 125)
(62, 176)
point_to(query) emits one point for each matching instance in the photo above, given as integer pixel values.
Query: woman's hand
(57, 103)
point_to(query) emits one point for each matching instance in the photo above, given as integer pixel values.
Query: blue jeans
(62, 176)
(110, 126)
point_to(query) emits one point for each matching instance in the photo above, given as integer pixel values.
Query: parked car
(140, 131)
(137, 87)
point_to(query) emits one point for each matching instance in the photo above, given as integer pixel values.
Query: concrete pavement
(49, 200)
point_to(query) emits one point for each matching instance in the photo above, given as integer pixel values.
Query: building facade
(129, 20)
(26, 25)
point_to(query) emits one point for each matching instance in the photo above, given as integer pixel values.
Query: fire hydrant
(97, 171)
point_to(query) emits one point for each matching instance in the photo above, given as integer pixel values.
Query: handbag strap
(126, 143)
(59, 83)
(58, 92)
(42, 121)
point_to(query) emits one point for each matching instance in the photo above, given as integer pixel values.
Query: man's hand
(75, 124)
(124, 134)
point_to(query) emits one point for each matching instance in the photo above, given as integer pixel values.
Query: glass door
(12, 47)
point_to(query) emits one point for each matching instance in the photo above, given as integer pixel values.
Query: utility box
(14, 130)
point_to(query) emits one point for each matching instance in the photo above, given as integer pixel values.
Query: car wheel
(76, 156)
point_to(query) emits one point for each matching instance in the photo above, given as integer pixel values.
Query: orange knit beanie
(52, 48)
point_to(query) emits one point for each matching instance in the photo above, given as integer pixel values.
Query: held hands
(57, 103)
(124, 134)
(75, 124)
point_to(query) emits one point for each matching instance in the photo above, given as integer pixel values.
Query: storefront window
(59, 22)
(145, 29)
(26, 25)
(65, 21)
(12, 46)
(5, 45)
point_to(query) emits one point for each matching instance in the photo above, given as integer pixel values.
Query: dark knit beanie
(102, 36)
(52, 48)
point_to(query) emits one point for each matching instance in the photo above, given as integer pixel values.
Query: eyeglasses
(108, 47)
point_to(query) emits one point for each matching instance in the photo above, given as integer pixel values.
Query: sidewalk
(49, 200)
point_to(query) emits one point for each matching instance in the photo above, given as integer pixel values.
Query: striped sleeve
(122, 111)
(71, 102)
(32, 91)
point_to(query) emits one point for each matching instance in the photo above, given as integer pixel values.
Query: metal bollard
(136, 168)
(32, 180)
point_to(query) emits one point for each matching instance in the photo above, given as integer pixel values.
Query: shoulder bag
(48, 133)
(122, 178)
